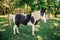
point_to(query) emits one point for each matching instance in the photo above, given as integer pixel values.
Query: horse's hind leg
(17, 29)
(14, 29)
(17, 25)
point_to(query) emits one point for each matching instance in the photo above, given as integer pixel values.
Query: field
(45, 31)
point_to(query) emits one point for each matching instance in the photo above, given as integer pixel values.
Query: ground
(45, 31)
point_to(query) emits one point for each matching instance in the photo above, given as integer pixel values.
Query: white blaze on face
(44, 17)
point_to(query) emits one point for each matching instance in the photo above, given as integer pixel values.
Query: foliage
(21, 3)
(50, 5)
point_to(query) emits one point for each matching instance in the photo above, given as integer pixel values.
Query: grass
(46, 31)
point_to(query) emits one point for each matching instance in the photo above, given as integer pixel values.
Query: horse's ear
(43, 8)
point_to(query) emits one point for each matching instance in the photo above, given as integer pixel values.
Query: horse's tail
(10, 17)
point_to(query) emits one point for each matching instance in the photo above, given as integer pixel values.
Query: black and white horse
(28, 19)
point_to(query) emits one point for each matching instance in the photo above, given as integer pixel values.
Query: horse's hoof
(14, 34)
(33, 35)
(17, 33)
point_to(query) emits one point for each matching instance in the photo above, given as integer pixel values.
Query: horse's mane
(28, 16)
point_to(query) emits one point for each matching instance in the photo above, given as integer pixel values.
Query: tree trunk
(26, 9)
(4, 10)
(55, 15)
(48, 12)
(55, 12)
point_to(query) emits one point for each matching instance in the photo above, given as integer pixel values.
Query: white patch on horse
(36, 15)
(29, 23)
(15, 26)
(44, 18)
(17, 30)
(33, 29)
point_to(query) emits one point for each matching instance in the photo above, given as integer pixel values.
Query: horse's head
(43, 15)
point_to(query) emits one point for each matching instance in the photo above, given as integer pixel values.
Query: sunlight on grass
(5, 25)
(56, 24)
(57, 19)
(37, 27)
(58, 15)
(57, 33)
(39, 38)
(51, 27)
(2, 22)
(3, 16)
(2, 29)
(6, 5)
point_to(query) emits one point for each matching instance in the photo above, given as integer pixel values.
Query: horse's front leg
(33, 29)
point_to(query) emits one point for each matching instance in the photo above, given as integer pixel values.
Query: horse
(28, 19)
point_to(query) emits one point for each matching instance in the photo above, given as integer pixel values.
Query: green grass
(47, 31)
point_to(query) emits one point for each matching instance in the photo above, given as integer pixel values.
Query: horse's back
(19, 17)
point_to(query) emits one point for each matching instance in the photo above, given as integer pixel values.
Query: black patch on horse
(42, 11)
(19, 18)
(36, 22)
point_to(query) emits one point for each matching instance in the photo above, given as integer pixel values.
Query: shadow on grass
(2, 36)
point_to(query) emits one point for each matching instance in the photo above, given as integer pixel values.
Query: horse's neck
(36, 15)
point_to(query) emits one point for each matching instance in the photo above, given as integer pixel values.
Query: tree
(52, 7)
(56, 7)
(24, 4)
